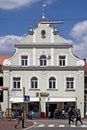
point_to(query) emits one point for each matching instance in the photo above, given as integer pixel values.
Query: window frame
(34, 82)
(62, 61)
(43, 61)
(70, 83)
(27, 60)
(17, 82)
(52, 83)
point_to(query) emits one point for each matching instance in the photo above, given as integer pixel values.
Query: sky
(16, 17)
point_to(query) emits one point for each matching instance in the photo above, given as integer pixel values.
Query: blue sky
(16, 16)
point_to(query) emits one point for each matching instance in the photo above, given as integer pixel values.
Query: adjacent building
(2, 58)
(85, 88)
(43, 74)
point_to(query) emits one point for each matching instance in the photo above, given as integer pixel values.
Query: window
(16, 82)
(52, 83)
(70, 83)
(24, 60)
(43, 33)
(62, 60)
(43, 60)
(34, 83)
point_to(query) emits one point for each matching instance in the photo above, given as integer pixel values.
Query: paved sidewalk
(10, 124)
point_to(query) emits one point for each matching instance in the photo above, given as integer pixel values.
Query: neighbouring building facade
(43, 74)
(85, 88)
(2, 58)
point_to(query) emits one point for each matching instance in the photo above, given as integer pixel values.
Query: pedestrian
(70, 114)
(19, 117)
(32, 114)
(79, 117)
(63, 114)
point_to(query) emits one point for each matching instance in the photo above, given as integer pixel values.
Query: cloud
(79, 35)
(14, 4)
(7, 43)
(79, 30)
(49, 1)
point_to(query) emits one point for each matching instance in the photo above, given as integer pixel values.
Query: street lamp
(47, 107)
(23, 107)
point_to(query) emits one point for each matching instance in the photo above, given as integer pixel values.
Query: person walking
(63, 114)
(79, 117)
(70, 114)
(20, 118)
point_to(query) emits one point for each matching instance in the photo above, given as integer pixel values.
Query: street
(59, 128)
(56, 125)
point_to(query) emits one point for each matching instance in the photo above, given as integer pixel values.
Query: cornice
(48, 68)
(43, 45)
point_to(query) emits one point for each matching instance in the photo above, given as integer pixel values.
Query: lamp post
(23, 108)
(47, 107)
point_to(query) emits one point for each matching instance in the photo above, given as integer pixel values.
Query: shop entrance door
(50, 108)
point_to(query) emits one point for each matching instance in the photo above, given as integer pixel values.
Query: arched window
(43, 60)
(34, 83)
(52, 83)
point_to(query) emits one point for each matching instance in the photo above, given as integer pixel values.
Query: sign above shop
(26, 98)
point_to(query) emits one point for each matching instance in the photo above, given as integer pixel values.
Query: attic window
(43, 33)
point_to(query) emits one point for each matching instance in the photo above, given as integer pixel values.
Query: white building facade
(45, 72)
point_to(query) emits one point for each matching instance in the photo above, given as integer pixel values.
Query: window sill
(34, 89)
(52, 89)
(16, 89)
(70, 90)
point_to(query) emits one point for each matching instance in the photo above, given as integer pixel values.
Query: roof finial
(43, 10)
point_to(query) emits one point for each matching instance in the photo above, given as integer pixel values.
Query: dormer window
(43, 33)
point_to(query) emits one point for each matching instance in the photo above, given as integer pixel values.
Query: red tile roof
(2, 57)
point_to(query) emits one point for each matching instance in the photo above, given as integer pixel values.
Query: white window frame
(16, 76)
(58, 60)
(52, 75)
(24, 54)
(65, 82)
(43, 61)
(34, 83)
(37, 81)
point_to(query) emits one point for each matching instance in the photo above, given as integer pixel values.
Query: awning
(60, 99)
(20, 100)
(47, 99)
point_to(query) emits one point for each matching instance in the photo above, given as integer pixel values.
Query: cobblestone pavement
(10, 124)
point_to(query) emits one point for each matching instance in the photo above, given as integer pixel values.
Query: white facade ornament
(6, 62)
(80, 63)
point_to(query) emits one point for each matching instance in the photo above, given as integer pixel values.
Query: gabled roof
(3, 57)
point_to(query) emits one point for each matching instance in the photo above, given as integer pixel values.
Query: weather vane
(43, 10)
